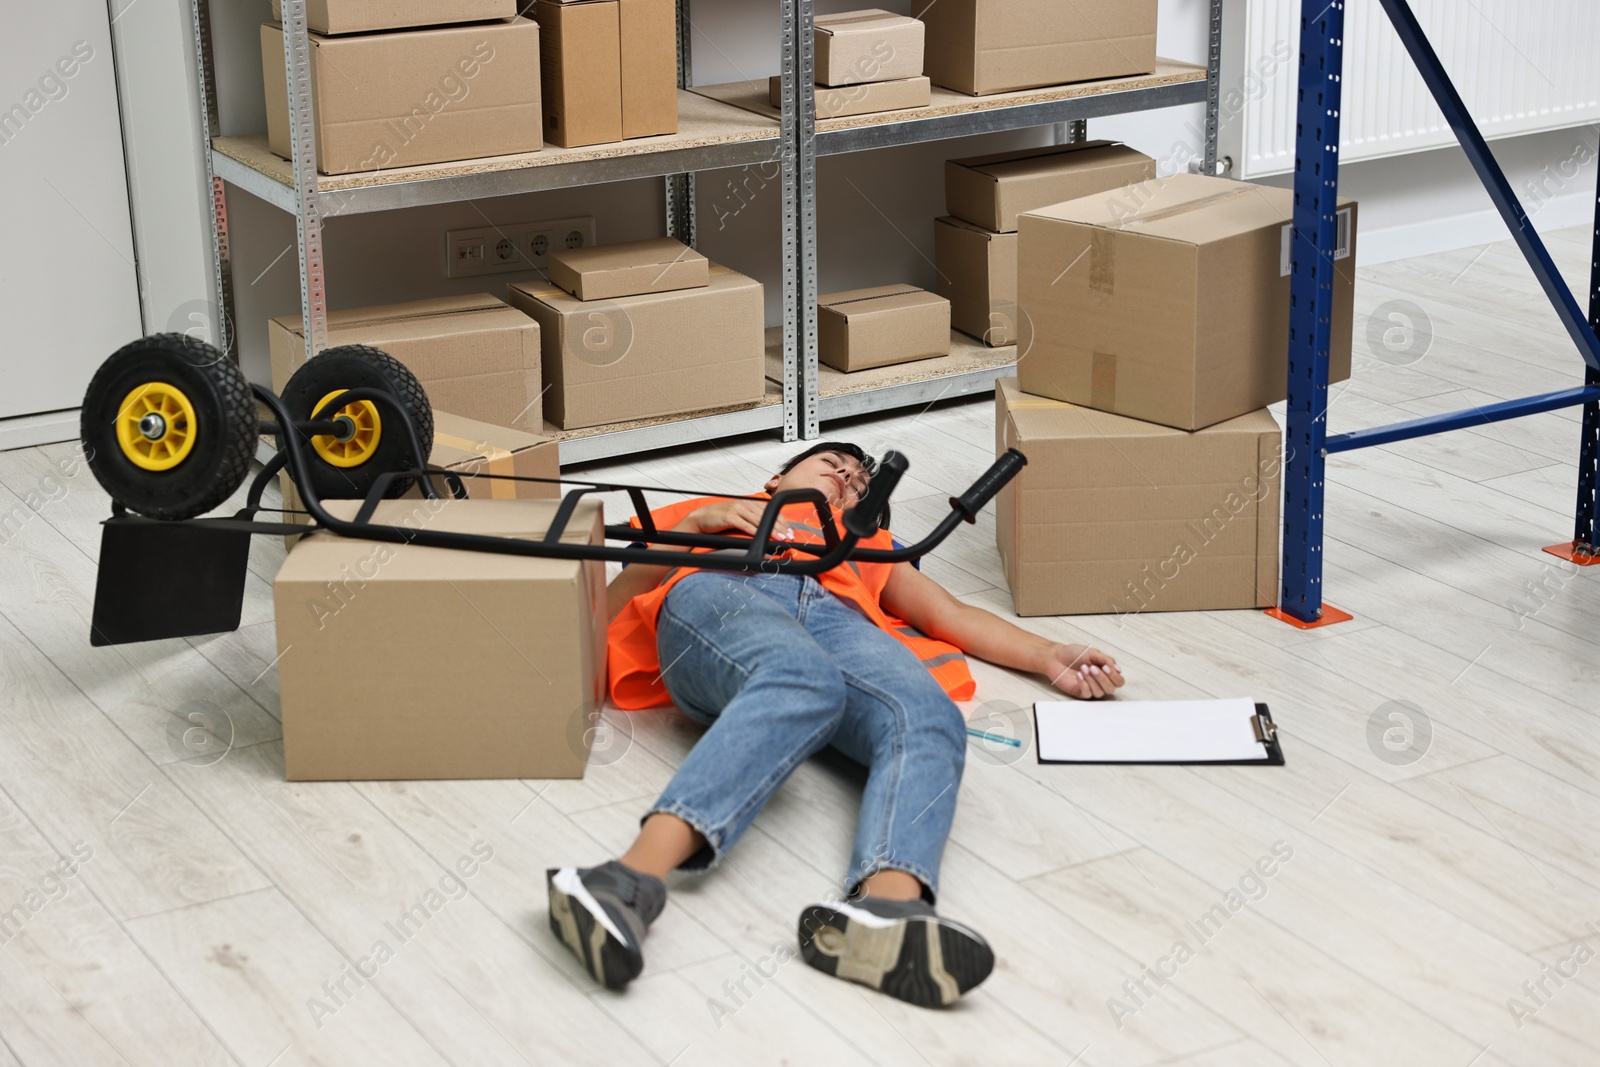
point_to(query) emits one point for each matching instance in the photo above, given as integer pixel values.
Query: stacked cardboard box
(881, 326)
(1155, 333)
(866, 61)
(403, 661)
(610, 69)
(662, 332)
(407, 94)
(975, 245)
(994, 46)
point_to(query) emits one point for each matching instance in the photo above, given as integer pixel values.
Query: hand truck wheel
(169, 426)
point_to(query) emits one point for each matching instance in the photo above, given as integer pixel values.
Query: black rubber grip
(988, 484)
(862, 520)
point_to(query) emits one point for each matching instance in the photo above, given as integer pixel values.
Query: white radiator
(1522, 66)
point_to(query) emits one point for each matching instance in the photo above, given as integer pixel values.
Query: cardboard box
(475, 356)
(1168, 302)
(1117, 516)
(472, 447)
(412, 97)
(991, 191)
(640, 357)
(866, 46)
(876, 327)
(605, 272)
(610, 70)
(360, 16)
(400, 661)
(865, 99)
(978, 275)
(995, 46)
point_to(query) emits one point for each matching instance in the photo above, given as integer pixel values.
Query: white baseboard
(1465, 231)
(25, 431)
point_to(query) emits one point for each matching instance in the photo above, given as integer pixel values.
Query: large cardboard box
(880, 326)
(866, 46)
(605, 272)
(471, 447)
(1168, 302)
(994, 46)
(400, 661)
(978, 274)
(640, 357)
(475, 356)
(361, 16)
(412, 97)
(610, 69)
(991, 191)
(1117, 516)
(867, 98)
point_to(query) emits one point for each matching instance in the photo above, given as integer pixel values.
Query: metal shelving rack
(1316, 190)
(972, 368)
(740, 139)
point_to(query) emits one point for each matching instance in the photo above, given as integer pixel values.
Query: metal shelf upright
(711, 136)
(1307, 443)
(971, 367)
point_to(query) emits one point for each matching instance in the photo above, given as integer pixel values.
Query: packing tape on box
(846, 20)
(1103, 381)
(496, 460)
(1103, 262)
(1192, 205)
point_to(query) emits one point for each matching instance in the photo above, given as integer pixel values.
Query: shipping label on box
(475, 356)
(852, 47)
(399, 661)
(994, 46)
(977, 272)
(605, 272)
(641, 357)
(412, 97)
(1164, 301)
(1113, 516)
(876, 327)
(868, 98)
(991, 191)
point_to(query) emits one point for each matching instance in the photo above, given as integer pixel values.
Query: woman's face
(841, 479)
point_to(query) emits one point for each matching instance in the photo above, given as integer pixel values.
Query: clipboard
(1260, 724)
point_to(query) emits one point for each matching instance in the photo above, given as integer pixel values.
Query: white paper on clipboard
(1147, 731)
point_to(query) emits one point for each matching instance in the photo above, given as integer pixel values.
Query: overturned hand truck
(170, 426)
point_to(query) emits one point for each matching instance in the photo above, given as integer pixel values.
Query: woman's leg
(736, 655)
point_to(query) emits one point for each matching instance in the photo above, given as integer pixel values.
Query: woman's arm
(1076, 670)
(739, 515)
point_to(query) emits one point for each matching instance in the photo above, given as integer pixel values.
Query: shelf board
(953, 114)
(711, 134)
(971, 367)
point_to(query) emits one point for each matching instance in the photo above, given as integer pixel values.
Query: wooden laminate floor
(1434, 905)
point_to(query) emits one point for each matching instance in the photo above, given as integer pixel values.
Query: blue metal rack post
(1316, 189)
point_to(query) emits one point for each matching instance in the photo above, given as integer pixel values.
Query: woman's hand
(738, 515)
(1081, 672)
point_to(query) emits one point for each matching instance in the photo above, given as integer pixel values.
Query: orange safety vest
(634, 666)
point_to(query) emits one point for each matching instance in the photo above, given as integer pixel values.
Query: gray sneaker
(602, 913)
(899, 947)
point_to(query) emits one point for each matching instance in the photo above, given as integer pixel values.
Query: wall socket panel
(515, 246)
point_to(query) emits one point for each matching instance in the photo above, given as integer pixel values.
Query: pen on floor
(994, 737)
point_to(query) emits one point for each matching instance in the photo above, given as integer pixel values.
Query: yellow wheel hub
(156, 426)
(357, 446)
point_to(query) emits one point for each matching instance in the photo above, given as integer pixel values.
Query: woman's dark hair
(844, 448)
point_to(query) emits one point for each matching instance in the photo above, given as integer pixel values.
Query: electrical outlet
(513, 247)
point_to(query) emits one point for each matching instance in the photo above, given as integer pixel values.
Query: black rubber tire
(224, 440)
(362, 367)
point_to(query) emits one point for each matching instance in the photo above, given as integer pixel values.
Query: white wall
(67, 280)
(877, 207)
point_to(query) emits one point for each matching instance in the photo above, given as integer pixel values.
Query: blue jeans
(779, 667)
